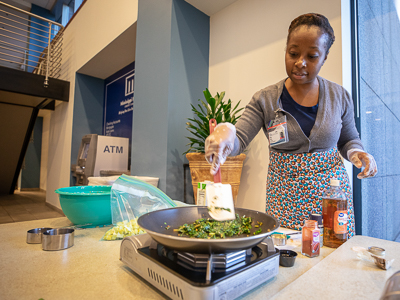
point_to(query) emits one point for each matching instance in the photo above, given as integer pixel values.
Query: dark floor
(25, 206)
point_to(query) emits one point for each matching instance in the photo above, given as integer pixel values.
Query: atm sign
(113, 149)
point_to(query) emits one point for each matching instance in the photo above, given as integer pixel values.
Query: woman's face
(305, 54)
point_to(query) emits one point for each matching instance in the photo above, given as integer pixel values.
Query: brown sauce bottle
(334, 214)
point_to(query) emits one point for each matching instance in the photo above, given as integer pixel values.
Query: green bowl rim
(84, 193)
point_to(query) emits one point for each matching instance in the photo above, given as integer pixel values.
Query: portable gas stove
(200, 276)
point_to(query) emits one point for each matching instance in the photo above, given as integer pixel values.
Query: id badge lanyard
(277, 130)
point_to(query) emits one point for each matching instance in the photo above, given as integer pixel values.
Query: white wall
(96, 25)
(247, 47)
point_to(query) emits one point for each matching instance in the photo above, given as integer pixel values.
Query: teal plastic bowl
(88, 206)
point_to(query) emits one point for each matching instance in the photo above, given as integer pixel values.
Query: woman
(308, 121)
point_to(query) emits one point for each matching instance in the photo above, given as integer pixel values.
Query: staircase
(30, 67)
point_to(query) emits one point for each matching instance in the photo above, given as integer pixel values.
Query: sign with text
(111, 154)
(118, 103)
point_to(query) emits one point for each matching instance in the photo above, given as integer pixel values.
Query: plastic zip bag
(131, 198)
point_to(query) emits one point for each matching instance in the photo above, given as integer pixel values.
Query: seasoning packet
(201, 193)
(378, 260)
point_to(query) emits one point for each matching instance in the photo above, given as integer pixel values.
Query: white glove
(360, 159)
(219, 145)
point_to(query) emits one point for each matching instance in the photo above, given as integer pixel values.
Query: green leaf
(219, 118)
(194, 121)
(207, 107)
(201, 111)
(203, 118)
(213, 107)
(199, 135)
(221, 96)
(237, 104)
(207, 94)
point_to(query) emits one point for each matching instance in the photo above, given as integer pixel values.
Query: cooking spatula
(219, 196)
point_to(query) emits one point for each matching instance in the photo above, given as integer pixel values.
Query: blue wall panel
(88, 111)
(172, 55)
(188, 78)
(30, 175)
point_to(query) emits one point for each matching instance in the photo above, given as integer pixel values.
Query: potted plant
(222, 111)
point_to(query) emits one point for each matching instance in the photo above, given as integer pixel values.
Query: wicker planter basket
(231, 171)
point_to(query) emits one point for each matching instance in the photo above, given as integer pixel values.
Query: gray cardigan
(334, 125)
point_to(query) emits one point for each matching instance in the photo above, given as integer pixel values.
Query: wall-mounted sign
(118, 103)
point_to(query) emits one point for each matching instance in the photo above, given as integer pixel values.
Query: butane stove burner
(220, 261)
(182, 275)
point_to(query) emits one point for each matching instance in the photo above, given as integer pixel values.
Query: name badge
(277, 131)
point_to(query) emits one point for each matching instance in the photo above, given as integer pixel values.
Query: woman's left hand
(363, 159)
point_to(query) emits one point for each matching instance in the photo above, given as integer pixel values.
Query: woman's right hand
(219, 145)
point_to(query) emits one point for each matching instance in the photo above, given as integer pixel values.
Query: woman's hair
(313, 19)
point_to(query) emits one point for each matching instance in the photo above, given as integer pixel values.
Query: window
(65, 9)
(378, 116)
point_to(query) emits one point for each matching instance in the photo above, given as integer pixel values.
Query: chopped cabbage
(123, 229)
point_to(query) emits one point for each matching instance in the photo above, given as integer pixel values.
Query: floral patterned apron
(296, 182)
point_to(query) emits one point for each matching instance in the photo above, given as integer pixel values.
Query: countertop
(342, 276)
(91, 269)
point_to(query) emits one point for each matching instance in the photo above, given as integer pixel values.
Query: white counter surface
(91, 269)
(342, 276)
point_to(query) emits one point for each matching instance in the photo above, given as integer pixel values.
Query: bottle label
(316, 236)
(321, 237)
(315, 242)
(340, 222)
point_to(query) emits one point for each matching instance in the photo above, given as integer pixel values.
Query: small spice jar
(310, 244)
(318, 218)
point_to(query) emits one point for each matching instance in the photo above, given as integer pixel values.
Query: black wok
(156, 222)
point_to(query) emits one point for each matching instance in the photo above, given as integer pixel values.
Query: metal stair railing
(30, 42)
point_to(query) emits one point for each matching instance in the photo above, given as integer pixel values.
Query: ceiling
(27, 4)
(119, 54)
(116, 55)
(210, 7)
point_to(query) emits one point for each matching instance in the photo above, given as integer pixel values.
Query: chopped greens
(212, 229)
(220, 208)
(257, 232)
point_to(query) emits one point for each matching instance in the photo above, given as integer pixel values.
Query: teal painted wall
(30, 175)
(172, 60)
(88, 111)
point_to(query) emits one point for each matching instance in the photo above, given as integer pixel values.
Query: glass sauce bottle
(334, 215)
(310, 238)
